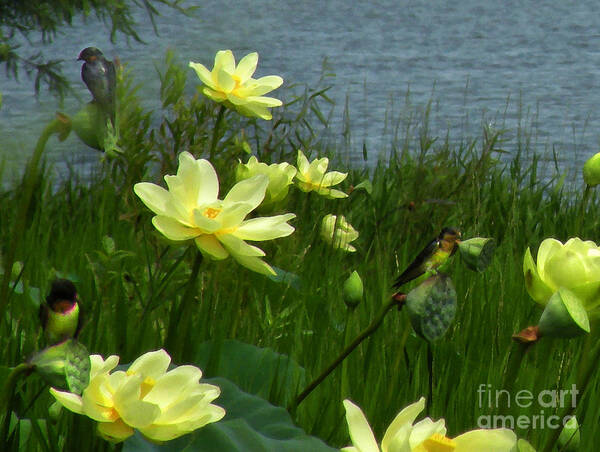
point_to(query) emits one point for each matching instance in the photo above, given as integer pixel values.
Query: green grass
(132, 294)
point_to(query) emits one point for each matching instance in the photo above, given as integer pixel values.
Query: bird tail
(408, 275)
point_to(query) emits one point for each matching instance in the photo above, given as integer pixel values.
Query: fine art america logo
(548, 401)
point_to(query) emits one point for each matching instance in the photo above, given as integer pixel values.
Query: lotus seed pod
(431, 306)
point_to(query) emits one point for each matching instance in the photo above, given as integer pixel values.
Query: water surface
(509, 63)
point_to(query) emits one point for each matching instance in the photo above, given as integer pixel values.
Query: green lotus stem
(215, 135)
(162, 285)
(515, 359)
(584, 364)
(588, 363)
(430, 376)
(6, 396)
(584, 203)
(29, 180)
(355, 343)
(180, 319)
(347, 334)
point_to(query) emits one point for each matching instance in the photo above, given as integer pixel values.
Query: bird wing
(415, 268)
(111, 77)
(101, 79)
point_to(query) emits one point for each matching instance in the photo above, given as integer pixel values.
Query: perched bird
(433, 256)
(100, 77)
(60, 314)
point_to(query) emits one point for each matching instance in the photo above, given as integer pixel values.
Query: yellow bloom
(313, 177)
(338, 232)
(190, 209)
(574, 266)
(161, 405)
(591, 171)
(234, 86)
(403, 435)
(280, 177)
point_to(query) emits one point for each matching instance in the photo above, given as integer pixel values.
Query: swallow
(100, 77)
(60, 315)
(434, 255)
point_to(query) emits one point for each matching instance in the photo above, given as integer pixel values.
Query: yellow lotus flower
(190, 209)
(403, 435)
(574, 266)
(234, 86)
(280, 177)
(591, 171)
(338, 232)
(313, 177)
(161, 404)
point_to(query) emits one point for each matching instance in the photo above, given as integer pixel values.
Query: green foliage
(132, 281)
(251, 425)
(272, 376)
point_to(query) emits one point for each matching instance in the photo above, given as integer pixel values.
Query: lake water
(529, 62)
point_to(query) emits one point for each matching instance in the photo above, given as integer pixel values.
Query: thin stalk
(6, 396)
(430, 376)
(587, 365)
(375, 323)
(584, 364)
(215, 135)
(162, 285)
(151, 304)
(515, 359)
(180, 319)
(584, 203)
(350, 320)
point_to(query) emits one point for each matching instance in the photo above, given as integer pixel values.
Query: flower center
(211, 212)
(436, 443)
(238, 83)
(146, 386)
(113, 414)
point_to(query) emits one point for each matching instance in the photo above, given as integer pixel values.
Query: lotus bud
(353, 290)
(573, 265)
(280, 178)
(564, 316)
(17, 269)
(477, 252)
(65, 365)
(591, 171)
(336, 231)
(90, 126)
(108, 244)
